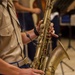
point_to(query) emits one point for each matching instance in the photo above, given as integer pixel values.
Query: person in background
(12, 60)
(26, 20)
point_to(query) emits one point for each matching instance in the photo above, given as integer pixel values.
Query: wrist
(36, 31)
(13, 70)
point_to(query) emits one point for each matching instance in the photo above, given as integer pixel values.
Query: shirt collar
(9, 2)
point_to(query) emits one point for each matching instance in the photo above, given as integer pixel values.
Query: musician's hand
(38, 26)
(30, 71)
(52, 31)
(36, 10)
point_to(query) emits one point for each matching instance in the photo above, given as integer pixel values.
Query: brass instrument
(58, 54)
(43, 60)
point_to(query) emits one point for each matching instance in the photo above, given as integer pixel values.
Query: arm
(8, 69)
(22, 8)
(71, 7)
(31, 35)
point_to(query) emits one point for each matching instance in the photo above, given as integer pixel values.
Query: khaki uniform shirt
(11, 46)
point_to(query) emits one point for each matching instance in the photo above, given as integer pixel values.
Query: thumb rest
(43, 60)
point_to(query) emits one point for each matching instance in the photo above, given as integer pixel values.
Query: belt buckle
(27, 60)
(15, 64)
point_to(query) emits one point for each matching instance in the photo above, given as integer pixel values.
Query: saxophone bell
(58, 54)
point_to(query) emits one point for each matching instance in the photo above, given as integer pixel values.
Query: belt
(20, 63)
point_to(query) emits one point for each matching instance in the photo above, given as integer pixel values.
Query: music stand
(66, 65)
(70, 30)
(69, 44)
(66, 19)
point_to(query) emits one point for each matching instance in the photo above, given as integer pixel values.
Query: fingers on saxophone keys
(40, 22)
(36, 74)
(52, 33)
(51, 27)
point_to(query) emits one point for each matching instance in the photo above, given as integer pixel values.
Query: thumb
(40, 22)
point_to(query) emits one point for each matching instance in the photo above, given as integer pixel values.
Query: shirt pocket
(6, 34)
(6, 31)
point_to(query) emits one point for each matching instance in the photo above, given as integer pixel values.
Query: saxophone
(44, 60)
